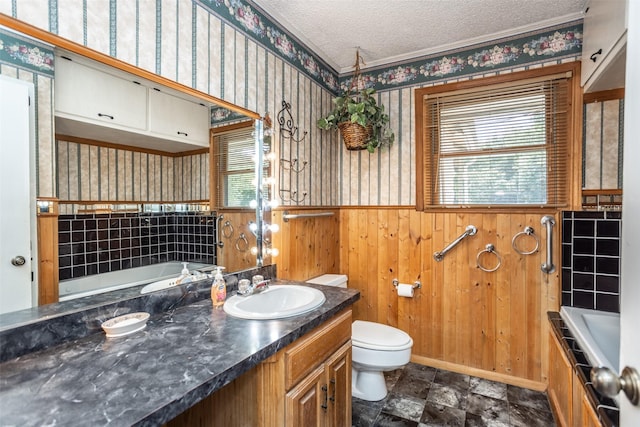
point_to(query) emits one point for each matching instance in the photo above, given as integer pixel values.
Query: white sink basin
(160, 284)
(277, 302)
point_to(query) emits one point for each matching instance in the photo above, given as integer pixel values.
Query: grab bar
(219, 242)
(469, 231)
(548, 222)
(287, 216)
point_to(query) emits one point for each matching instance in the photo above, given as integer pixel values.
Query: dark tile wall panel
(98, 243)
(591, 260)
(194, 239)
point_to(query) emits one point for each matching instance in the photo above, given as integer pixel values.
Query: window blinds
(497, 145)
(235, 177)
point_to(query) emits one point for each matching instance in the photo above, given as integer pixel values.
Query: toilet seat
(376, 336)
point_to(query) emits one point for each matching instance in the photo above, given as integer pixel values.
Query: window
(235, 168)
(490, 143)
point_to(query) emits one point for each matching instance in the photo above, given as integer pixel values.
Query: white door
(630, 272)
(15, 197)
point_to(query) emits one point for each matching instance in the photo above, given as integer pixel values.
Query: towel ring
(227, 229)
(242, 244)
(491, 250)
(528, 231)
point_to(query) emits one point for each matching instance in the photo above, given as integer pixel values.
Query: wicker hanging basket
(354, 135)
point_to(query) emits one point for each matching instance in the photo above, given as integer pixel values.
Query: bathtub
(114, 280)
(597, 333)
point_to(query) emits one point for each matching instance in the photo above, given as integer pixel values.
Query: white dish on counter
(125, 324)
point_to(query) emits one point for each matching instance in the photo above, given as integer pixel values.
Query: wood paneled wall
(463, 319)
(236, 255)
(47, 223)
(494, 322)
(308, 246)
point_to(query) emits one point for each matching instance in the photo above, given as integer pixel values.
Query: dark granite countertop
(151, 376)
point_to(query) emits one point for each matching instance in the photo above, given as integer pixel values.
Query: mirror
(89, 137)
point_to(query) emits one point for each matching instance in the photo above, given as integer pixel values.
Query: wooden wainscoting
(308, 246)
(491, 324)
(488, 324)
(47, 223)
(236, 254)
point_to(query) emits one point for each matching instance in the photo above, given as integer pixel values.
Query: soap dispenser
(219, 288)
(185, 276)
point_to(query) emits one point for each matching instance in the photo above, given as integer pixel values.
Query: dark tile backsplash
(98, 243)
(591, 260)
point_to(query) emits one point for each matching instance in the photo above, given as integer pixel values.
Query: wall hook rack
(292, 196)
(291, 164)
(287, 128)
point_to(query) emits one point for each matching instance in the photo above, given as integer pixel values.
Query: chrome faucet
(257, 285)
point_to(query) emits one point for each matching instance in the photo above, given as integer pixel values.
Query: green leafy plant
(363, 109)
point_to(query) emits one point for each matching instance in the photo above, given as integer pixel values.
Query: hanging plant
(363, 123)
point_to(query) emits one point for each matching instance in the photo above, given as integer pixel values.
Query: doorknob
(607, 382)
(18, 261)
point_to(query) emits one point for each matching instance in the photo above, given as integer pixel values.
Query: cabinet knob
(594, 55)
(609, 384)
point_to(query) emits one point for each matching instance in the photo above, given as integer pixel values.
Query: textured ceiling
(386, 31)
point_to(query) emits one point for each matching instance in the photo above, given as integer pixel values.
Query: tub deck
(597, 333)
(114, 280)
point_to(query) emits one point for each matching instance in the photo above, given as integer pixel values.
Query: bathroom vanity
(307, 383)
(192, 363)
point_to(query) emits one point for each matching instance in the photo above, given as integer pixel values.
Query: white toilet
(375, 348)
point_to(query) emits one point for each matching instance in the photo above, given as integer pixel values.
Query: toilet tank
(338, 280)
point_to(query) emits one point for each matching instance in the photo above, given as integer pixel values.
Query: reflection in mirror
(153, 148)
(242, 167)
(131, 192)
(232, 189)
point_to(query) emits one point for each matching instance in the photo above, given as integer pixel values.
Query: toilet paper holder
(416, 284)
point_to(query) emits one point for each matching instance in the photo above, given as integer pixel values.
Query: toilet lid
(377, 336)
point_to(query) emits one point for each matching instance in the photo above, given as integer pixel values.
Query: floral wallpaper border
(221, 115)
(553, 42)
(563, 41)
(25, 53)
(259, 26)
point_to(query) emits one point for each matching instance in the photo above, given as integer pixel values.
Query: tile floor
(422, 396)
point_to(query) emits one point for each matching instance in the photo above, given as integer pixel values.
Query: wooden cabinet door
(576, 402)
(306, 403)
(589, 416)
(338, 371)
(87, 94)
(560, 383)
(178, 118)
(604, 26)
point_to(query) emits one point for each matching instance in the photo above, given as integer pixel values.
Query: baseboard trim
(481, 373)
